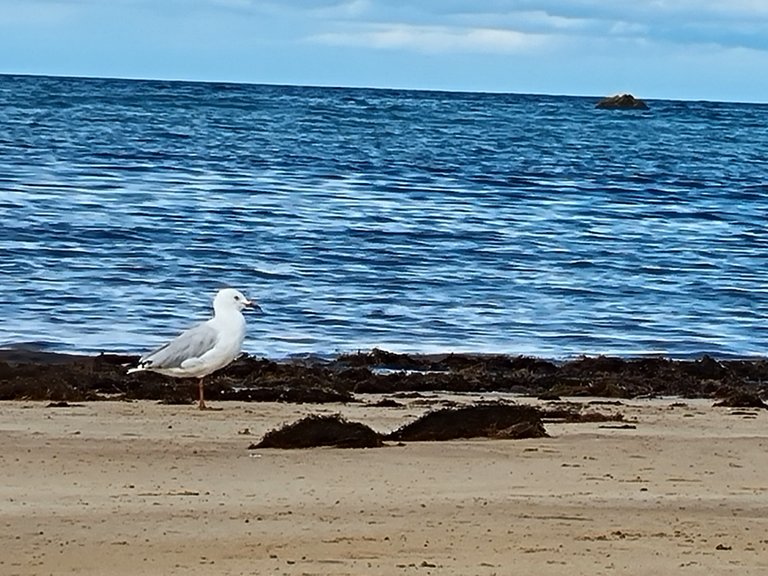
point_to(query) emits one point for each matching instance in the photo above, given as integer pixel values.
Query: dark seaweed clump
(492, 420)
(315, 431)
(37, 375)
(742, 399)
(483, 420)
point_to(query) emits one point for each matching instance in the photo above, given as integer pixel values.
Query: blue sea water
(412, 221)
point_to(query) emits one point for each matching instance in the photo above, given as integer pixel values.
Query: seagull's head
(229, 298)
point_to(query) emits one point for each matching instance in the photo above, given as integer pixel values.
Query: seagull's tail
(143, 366)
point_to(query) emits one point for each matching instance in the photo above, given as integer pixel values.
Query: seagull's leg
(201, 404)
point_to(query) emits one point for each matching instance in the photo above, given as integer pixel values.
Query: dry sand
(122, 488)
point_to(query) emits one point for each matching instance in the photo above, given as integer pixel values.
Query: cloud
(433, 39)
(472, 25)
(505, 25)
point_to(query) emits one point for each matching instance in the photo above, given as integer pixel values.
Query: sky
(676, 49)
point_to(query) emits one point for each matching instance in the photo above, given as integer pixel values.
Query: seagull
(205, 348)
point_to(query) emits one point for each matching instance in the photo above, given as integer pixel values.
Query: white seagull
(205, 348)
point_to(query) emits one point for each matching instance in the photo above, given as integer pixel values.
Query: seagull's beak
(253, 306)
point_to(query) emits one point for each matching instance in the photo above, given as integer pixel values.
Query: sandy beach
(126, 488)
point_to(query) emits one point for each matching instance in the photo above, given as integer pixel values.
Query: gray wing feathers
(188, 345)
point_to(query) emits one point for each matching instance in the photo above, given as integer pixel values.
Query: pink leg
(201, 404)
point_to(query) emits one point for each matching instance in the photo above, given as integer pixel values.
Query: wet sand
(126, 488)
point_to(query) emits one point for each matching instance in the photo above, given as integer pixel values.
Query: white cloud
(434, 39)
(505, 25)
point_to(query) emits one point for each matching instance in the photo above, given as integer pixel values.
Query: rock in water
(622, 101)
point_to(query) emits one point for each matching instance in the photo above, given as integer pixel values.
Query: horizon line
(365, 87)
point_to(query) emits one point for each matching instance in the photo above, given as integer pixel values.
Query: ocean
(412, 221)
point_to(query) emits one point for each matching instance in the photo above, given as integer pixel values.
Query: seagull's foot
(203, 406)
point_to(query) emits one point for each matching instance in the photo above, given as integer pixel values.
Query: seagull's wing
(188, 345)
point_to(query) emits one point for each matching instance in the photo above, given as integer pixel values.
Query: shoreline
(34, 374)
(45, 350)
